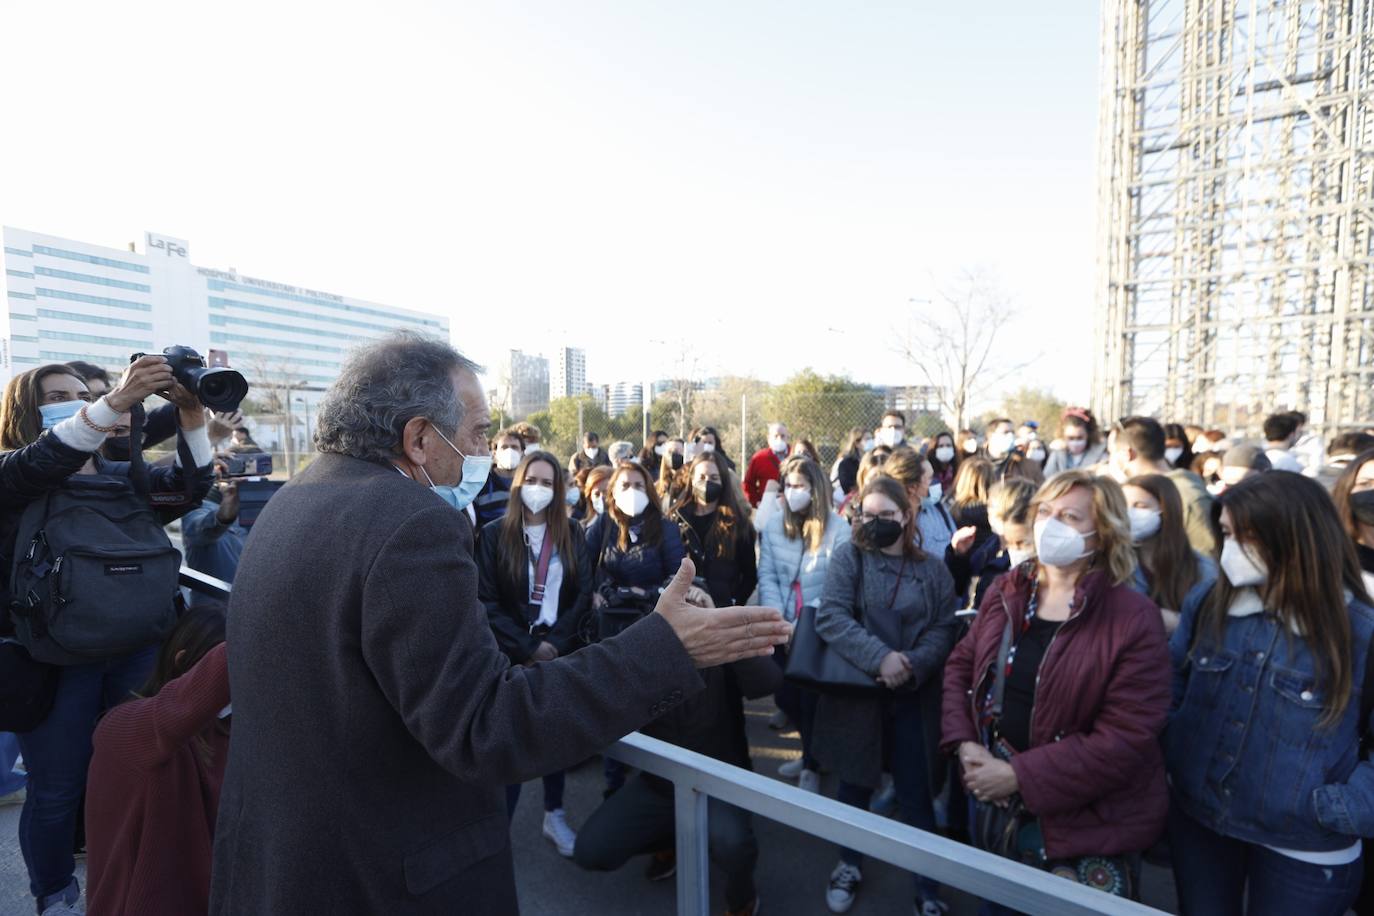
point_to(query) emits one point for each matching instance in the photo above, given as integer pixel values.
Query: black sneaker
(662, 866)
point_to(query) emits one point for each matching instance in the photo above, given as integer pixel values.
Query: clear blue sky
(739, 176)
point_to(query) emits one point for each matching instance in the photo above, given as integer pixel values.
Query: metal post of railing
(693, 851)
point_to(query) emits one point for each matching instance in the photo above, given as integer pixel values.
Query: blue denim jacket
(1245, 754)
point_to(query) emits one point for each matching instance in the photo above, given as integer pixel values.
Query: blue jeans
(905, 742)
(553, 793)
(10, 781)
(57, 753)
(1214, 872)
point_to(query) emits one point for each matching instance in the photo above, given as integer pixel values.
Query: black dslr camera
(218, 389)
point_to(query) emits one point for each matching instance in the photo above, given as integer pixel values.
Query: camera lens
(220, 389)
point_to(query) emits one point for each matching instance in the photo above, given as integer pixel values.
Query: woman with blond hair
(1055, 700)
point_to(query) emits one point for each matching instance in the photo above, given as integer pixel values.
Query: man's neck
(1142, 466)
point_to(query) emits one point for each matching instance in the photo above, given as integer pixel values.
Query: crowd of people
(1080, 652)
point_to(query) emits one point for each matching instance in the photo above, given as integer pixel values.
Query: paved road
(792, 869)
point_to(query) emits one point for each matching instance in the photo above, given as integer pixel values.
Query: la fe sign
(172, 248)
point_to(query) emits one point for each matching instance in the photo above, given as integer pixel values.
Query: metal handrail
(696, 778)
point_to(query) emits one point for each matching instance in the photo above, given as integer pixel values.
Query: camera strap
(138, 468)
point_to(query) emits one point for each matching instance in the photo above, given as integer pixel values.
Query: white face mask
(970, 446)
(778, 444)
(869, 444)
(1035, 452)
(945, 453)
(536, 497)
(1240, 565)
(508, 459)
(798, 498)
(1058, 544)
(599, 503)
(936, 491)
(707, 447)
(1172, 455)
(1144, 523)
(1001, 443)
(891, 436)
(590, 451)
(632, 502)
(1076, 446)
(1017, 557)
(661, 450)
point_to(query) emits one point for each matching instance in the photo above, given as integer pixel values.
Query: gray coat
(1061, 460)
(376, 721)
(848, 730)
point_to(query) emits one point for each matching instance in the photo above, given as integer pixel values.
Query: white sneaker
(844, 886)
(810, 781)
(791, 769)
(65, 909)
(557, 830)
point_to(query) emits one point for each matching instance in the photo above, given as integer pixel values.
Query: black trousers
(639, 819)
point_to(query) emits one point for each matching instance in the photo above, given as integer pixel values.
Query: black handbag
(812, 664)
(27, 688)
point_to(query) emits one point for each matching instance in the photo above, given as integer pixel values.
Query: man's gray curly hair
(385, 384)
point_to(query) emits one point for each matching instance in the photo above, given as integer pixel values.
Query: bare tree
(951, 344)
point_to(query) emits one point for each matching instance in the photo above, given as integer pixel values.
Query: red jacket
(151, 800)
(763, 467)
(1094, 774)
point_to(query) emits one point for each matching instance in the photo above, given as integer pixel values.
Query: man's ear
(413, 439)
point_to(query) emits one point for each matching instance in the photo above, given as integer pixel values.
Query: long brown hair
(651, 535)
(21, 421)
(513, 555)
(731, 524)
(973, 482)
(1173, 568)
(197, 631)
(883, 485)
(1340, 493)
(936, 464)
(589, 484)
(811, 522)
(1291, 523)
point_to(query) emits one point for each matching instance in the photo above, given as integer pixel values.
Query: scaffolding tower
(1236, 198)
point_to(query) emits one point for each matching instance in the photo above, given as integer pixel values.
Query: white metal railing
(696, 778)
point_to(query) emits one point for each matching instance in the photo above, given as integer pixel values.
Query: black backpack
(94, 573)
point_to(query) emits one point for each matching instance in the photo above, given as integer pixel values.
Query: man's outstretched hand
(717, 636)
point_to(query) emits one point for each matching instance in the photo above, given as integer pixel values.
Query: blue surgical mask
(54, 414)
(476, 470)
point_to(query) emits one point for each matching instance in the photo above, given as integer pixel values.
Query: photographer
(56, 751)
(211, 534)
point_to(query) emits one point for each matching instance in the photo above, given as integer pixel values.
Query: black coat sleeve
(39, 467)
(746, 564)
(564, 635)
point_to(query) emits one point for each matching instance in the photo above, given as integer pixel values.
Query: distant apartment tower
(569, 373)
(623, 396)
(523, 385)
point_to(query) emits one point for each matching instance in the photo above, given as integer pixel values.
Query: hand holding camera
(145, 375)
(228, 501)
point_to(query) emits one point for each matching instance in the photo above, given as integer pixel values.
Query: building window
(222, 285)
(17, 295)
(89, 258)
(221, 337)
(93, 300)
(87, 278)
(92, 319)
(226, 321)
(19, 251)
(92, 339)
(218, 303)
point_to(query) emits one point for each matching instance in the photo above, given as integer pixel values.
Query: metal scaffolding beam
(1235, 205)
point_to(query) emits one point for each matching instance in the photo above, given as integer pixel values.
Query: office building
(522, 385)
(68, 299)
(623, 396)
(569, 373)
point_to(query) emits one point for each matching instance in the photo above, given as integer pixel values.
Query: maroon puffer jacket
(1094, 774)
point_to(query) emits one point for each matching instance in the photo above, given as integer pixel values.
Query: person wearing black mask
(888, 610)
(1354, 498)
(716, 532)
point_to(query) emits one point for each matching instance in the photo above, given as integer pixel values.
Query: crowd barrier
(696, 778)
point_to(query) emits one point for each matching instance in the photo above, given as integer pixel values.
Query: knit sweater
(151, 799)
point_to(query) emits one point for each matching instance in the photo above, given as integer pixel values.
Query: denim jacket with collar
(1245, 752)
